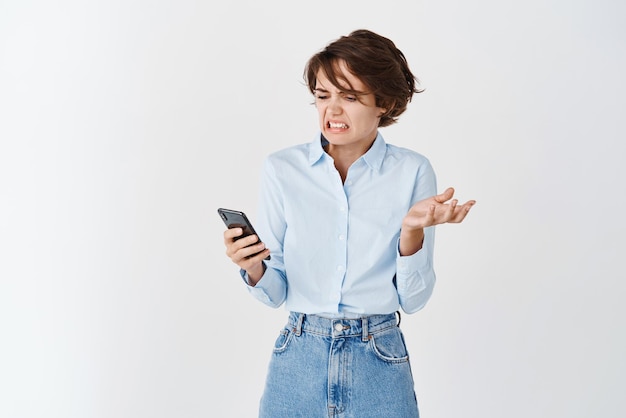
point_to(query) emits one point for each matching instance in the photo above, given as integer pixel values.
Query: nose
(334, 106)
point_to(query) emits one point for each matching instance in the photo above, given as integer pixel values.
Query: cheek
(376, 115)
(370, 119)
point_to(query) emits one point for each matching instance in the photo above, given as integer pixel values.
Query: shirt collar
(373, 157)
(316, 149)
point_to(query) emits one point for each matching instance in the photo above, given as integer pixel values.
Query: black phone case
(238, 219)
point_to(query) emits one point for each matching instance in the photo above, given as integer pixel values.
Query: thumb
(446, 195)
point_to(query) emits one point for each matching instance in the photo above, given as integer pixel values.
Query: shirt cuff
(268, 289)
(409, 264)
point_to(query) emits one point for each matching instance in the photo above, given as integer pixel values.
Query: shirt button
(341, 237)
(349, 183)
(339, 268)
(338, 327)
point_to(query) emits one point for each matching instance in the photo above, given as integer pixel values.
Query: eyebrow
(343, 92)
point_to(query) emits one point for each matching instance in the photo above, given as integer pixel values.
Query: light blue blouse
(334, 246)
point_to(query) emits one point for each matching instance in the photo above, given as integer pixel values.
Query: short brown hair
(375, 61)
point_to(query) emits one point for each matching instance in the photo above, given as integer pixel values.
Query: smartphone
(238, 219)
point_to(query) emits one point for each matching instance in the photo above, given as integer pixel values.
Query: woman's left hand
(434, 211)
(429, 212)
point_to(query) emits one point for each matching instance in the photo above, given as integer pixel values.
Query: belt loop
(364, 326)
(399, 318)
(298, 328)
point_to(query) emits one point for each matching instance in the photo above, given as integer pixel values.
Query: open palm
(434, 211)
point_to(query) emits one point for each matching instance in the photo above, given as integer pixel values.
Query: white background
(124, 125)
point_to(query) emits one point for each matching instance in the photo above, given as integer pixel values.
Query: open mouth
(337, 125)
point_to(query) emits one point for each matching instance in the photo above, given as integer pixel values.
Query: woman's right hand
(239, 251)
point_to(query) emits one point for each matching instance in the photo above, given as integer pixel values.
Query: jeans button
(338, 327)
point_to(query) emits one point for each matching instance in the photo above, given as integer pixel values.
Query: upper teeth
(337, 125)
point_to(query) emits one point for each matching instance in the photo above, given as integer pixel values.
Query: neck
(344, 156)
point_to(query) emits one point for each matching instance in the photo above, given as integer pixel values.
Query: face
(345, 120)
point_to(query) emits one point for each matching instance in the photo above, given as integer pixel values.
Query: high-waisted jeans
(339, 368)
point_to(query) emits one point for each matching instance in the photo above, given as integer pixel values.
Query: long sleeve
(272, 288)
(415, 275)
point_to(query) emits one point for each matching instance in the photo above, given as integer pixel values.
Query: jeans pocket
(282, 342)
(389, 346)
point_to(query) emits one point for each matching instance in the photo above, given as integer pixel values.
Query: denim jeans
(339, 368)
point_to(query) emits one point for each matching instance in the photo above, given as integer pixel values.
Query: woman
(348, 220)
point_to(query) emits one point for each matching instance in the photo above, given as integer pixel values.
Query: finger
(463, 211)
(232, 233)
(245, 242)
(247, 257)
(450, 212)
(234, 245)
(445, 196)
(258, 258)
(238, 251)
(468, 205)
(249, 240)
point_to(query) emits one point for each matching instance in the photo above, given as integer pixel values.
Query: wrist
(255, 273)
(411, 240)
